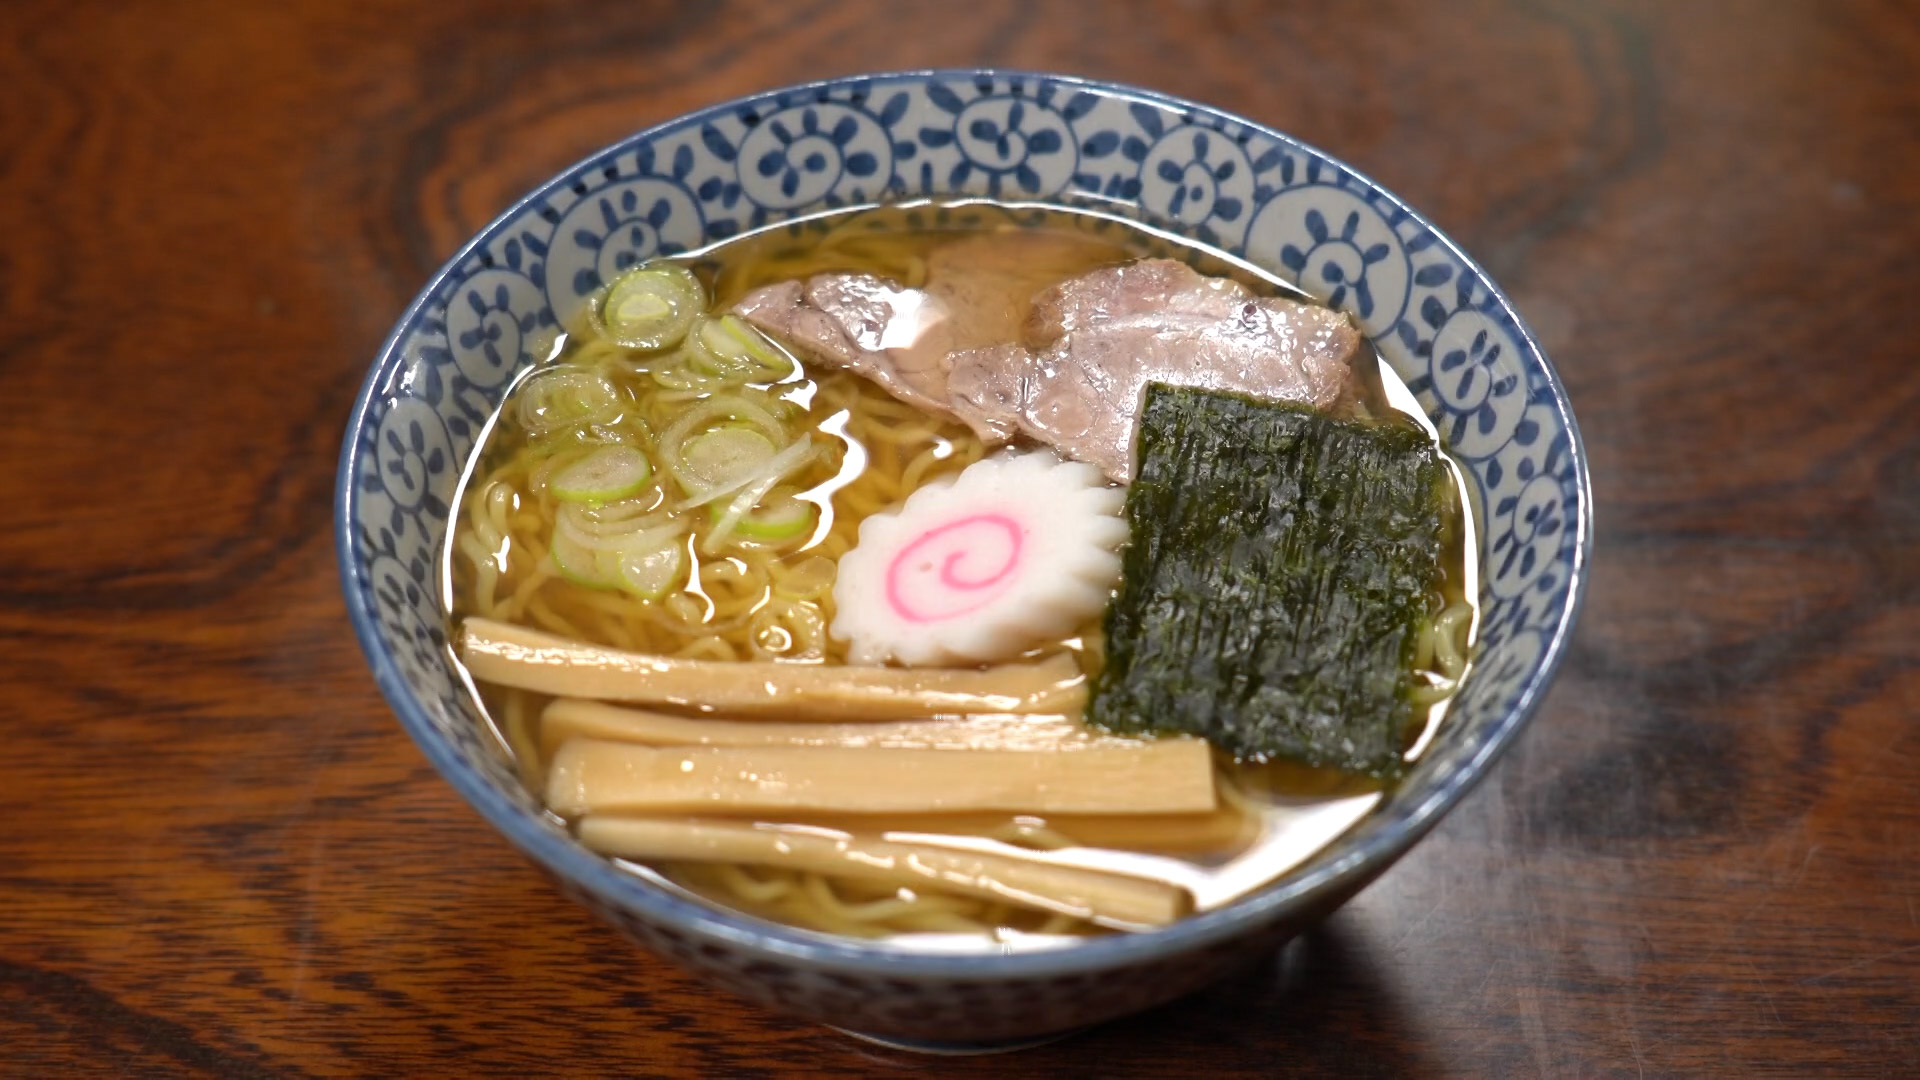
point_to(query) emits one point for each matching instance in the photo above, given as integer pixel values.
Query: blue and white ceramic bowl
(1196, 171)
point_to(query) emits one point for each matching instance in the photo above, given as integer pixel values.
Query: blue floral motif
(1501, 669)
(402, 587)
(415, 460)
(617, 227)
(1198, 184)
(412, 463)
(1342, 262)
(1539, 518)
(787, 161)
(807, 154)
(1199, 179)
(641, 227)
(1252, 192)
(1020, 147)
(491, 322)
(1335, 246)
(1529, 530)
(1474, 371)
(487, 336)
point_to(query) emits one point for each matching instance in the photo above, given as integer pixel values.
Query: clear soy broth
(775, 601)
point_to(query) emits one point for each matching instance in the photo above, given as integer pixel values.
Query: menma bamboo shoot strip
(571, 717)
(514, 656)
(1218, 830)
(1028, 882)
(594, 776)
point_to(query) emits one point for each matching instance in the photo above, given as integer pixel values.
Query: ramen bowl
(1187, 169)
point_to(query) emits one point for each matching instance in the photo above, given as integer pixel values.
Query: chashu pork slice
(1107, 334)
(1146, 287)
(900, 338)
(979, 292)
(999, 340)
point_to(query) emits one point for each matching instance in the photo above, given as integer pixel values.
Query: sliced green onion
(606, 475)
(651, 573)
(743, 504)
(680, 377)
(780, 516)
(650, 307)
(770, 472)
(728, 348)
(646, 562)
(721, 407)
(623, 515)
(583, 527)
(567, 397)
(726, 454)
(577, 563)
(672, 445)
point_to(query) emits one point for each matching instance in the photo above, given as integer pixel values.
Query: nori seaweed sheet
(1281, 565)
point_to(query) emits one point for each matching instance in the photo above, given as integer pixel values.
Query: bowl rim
(579, 869)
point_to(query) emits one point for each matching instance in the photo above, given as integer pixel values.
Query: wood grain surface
(219, 854)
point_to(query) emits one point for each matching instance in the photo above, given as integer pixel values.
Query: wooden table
(219, 853)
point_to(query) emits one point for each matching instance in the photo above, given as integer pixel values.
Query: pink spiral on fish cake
(956, 568)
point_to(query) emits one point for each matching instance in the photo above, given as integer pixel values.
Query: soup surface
(699, 501)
